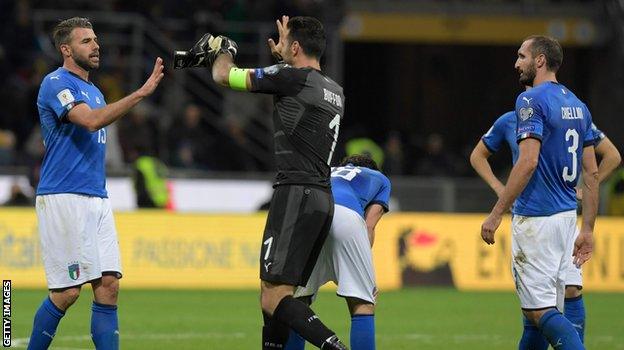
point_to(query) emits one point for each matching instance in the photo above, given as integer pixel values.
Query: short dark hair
(360, 160)
(62, 31)
(550, 48)
(309, 32)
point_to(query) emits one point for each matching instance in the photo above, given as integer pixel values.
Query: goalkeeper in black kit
(308, 109)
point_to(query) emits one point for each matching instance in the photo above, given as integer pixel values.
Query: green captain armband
(238, 79)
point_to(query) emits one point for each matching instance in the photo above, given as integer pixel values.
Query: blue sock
(295, 341)
(104, 326)
(532, 339)
(363, 332)
(559, 331)
(47, 319)
(575, 312)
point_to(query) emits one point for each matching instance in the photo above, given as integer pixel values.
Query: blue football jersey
(552, 114)
(357, 187)
(598, 134)
(502, 132)
(74, 157)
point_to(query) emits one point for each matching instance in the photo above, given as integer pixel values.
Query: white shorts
(574, 275)
(345, 259)
(541, 249)
(78, 238)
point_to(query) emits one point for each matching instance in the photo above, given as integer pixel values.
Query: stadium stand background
(424, 96)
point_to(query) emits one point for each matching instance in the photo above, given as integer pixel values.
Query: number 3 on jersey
(335, 126)
(570, 177)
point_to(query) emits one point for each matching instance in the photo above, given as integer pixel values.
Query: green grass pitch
(426, 318)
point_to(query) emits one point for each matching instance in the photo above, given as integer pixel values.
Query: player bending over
(361, 195)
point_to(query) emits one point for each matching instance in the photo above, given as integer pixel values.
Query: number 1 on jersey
(334, 125)
(268, 243)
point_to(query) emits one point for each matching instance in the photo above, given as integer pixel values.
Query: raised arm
(95, 119)
(225, 73)
(219, 53)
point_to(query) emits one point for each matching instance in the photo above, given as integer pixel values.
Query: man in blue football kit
(361, 195)
(503, 131)
(78, 238)
(555, 137)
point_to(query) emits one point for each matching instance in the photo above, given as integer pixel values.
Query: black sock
(274, 333)
(302, 320)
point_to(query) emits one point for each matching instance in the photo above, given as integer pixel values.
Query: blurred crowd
(187, 137)
(194, 136)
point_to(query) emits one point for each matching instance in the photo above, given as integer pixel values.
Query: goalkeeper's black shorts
(298, 224)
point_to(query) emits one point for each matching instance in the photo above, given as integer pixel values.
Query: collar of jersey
(76, 75)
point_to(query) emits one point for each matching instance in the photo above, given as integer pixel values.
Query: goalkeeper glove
(204, 52)
(195, 57)
(219, 45)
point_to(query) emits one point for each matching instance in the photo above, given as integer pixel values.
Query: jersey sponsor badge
(526, 113)
(65, 97)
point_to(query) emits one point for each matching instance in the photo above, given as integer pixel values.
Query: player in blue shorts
(502, 132)
(555, 137)
(361, 195)
(76, 227)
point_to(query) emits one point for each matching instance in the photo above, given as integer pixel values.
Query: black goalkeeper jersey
(308, 109)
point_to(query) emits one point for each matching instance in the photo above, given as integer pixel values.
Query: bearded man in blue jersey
(554, 133)
(76, 227)
(503, 131)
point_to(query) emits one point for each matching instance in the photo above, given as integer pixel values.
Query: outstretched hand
(154, 79)
(282, 29)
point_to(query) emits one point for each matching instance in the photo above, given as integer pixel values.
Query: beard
(86, 64)
(527, 77)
